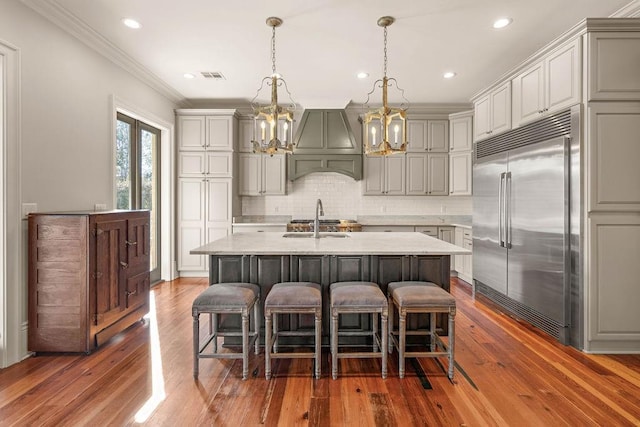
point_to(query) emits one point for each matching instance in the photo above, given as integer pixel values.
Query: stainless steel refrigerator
(521, 223)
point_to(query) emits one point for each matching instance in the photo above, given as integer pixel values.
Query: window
(138, 176)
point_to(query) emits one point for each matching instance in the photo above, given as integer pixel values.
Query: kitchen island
(271, 257)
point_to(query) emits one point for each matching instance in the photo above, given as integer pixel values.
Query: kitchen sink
(310, 235)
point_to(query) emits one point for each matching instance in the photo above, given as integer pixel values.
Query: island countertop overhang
(369, 243)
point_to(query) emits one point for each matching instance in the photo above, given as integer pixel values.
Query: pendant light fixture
(273, 123)
(385, 128)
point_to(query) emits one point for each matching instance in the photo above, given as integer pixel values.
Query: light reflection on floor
(157, 378)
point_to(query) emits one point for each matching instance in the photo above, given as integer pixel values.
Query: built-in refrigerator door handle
(507, 210)
(501, 209)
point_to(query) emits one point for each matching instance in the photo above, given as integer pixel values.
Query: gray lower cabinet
(267, 270)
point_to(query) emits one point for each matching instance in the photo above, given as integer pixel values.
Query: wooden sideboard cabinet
(88, 277)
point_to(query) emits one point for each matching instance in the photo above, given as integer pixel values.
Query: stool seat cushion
(396, 285)
(357, 294)
(294, 294)
(227, 295)
(423, 296)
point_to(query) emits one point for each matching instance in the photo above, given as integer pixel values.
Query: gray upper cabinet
(428, 136)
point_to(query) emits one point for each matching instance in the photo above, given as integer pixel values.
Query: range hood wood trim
(346, 164)
(324, 142)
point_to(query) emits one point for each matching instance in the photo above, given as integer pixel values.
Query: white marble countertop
(372, 243)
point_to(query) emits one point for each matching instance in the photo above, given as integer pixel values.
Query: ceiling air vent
(212, 75)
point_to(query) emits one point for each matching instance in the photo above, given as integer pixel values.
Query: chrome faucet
(316, 222)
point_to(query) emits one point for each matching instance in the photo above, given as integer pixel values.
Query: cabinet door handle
(124, 264)
(130, 243)
(129, 293)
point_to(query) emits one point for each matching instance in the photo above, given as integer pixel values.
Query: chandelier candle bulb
(285, 127)
(264, 129)
(373, 135)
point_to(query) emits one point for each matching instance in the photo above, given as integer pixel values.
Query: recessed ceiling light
(189, 76)
(502, 22)
(363, 75)
(131, 23)
(449, 75)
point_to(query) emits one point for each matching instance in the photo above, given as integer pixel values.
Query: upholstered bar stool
(421, 297)
(291, 298)
(226, 298)
(358, 297)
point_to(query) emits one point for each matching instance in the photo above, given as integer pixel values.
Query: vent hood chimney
(324, 142)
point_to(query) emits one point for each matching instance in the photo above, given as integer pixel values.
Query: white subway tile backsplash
(342, 198)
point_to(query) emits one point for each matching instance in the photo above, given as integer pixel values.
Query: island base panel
(267, 270)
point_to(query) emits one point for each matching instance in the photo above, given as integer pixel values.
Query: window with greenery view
(138, 175)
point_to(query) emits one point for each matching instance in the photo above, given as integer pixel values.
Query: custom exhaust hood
(324, 142)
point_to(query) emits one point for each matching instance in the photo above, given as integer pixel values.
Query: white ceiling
(322, 44)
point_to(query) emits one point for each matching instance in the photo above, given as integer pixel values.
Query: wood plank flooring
(508, 374)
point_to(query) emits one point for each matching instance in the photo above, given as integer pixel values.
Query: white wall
(342, 198)
(66, 112)
(66, 119)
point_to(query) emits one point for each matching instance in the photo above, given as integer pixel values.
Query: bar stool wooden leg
(402, 326)
(452, 337)
(256, 321)
(196, 345)
(385, 335)
(318, 342)
(267, 346)
(275, 332)
(245, 344)
(390, 337)
(334, 344)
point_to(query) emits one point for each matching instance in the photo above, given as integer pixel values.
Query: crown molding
(582, 27)
(70, 23)
(631, 10)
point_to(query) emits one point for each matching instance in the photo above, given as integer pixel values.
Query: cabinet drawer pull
(124, 264)
(130, 243)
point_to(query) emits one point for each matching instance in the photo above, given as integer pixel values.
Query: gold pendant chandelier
(273, 123)
(385, 128)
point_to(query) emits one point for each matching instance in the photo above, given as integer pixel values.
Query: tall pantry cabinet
(207, 182)
(88, 275)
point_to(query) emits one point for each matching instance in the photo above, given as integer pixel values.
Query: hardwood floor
(508, 374)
